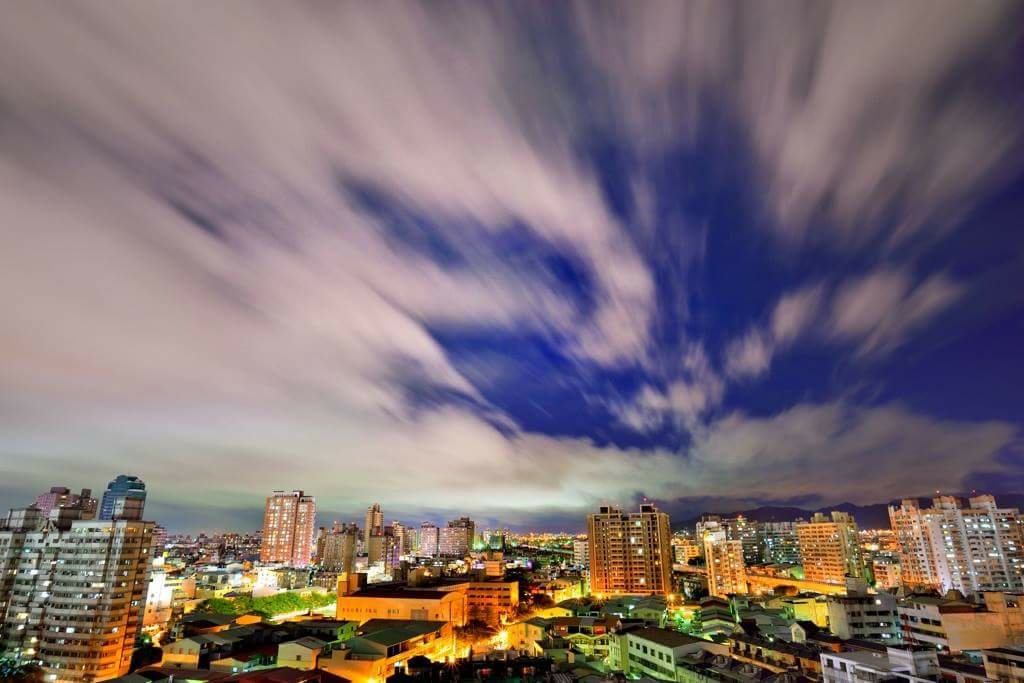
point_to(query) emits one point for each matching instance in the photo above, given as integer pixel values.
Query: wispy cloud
(234, 236)
(879, 310)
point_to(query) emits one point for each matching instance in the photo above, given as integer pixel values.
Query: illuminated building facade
(727, 570)
(399, 603)
(428, 540)
(630, 552)
(830, 548)
(374, 525)
(289, 524)
(73, 595)
(336, 548)
(948, 546)
(62, 497)
(456, 539)
(125, 498)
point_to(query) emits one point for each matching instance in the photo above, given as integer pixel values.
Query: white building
(653, 652)
(727, 572)
(581, 553)
(896, 663)
(868, 617)
(950, 625)
(73, 596)
(159, 595)
(950, 547)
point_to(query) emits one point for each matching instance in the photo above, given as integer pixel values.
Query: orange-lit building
(830, 548)
(289, 525)
(400, 603)
(630, 552)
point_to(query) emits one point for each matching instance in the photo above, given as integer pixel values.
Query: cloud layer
(247, 246)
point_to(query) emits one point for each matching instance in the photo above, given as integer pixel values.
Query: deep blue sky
(511, 260)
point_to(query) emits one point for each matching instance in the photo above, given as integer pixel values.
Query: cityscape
(512, 341)
(93, 591)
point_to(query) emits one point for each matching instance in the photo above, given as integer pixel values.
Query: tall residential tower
(630, 552)
(289, 523)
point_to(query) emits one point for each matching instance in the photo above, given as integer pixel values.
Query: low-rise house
(327, 630)
(870, 617)
(950, 625)
(586, 635)
(651, 609)
(527, 635)
(715, 618)
(404, 604)
(1004, 664)
(897, 663)
(245, 660)
(302, 653)
(655, 652)
(776, 655)
(386, 644)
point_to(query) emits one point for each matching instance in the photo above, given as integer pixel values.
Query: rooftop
(401, 593)
(394, 631)
(665, 637)
(308, 642)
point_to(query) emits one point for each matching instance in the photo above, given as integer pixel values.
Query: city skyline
(511, 261)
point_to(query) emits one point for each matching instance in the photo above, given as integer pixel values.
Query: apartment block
(724, 558)
(1004, 664)
(865, 616)
(951, 547)
(830, 548)
(289, 525)
(630, 552)
(950, 625)
(73, 595)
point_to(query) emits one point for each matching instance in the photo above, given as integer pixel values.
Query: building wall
(830, 548)
(948, 546)
(630, 553)
(1004, 666)
(928, 624)
(452, 607)
(727, 571)
(289, 525)
(492, 602)
(870, 617)
(77, 596)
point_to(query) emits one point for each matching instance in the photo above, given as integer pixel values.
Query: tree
(19, 671)
(543, 601)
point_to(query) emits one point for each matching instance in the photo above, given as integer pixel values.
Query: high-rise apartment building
(630, 552)
(336, 548)
(385, 547)
(948, 546)
(124, 498)
(456, 539)
(429, 537)
(374, 522)
(72, 593)
(830, 548)
(779, 542)
(581, 553)
(410, 540)
(289, 524)
(724, 558)
(62, 497)
(746, 531)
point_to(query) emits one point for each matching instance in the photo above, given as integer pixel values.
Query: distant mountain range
(875, 516)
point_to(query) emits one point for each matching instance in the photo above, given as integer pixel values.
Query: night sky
(511, 260)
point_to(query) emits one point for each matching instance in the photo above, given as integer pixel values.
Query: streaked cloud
(879, 310)
(258, 245)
